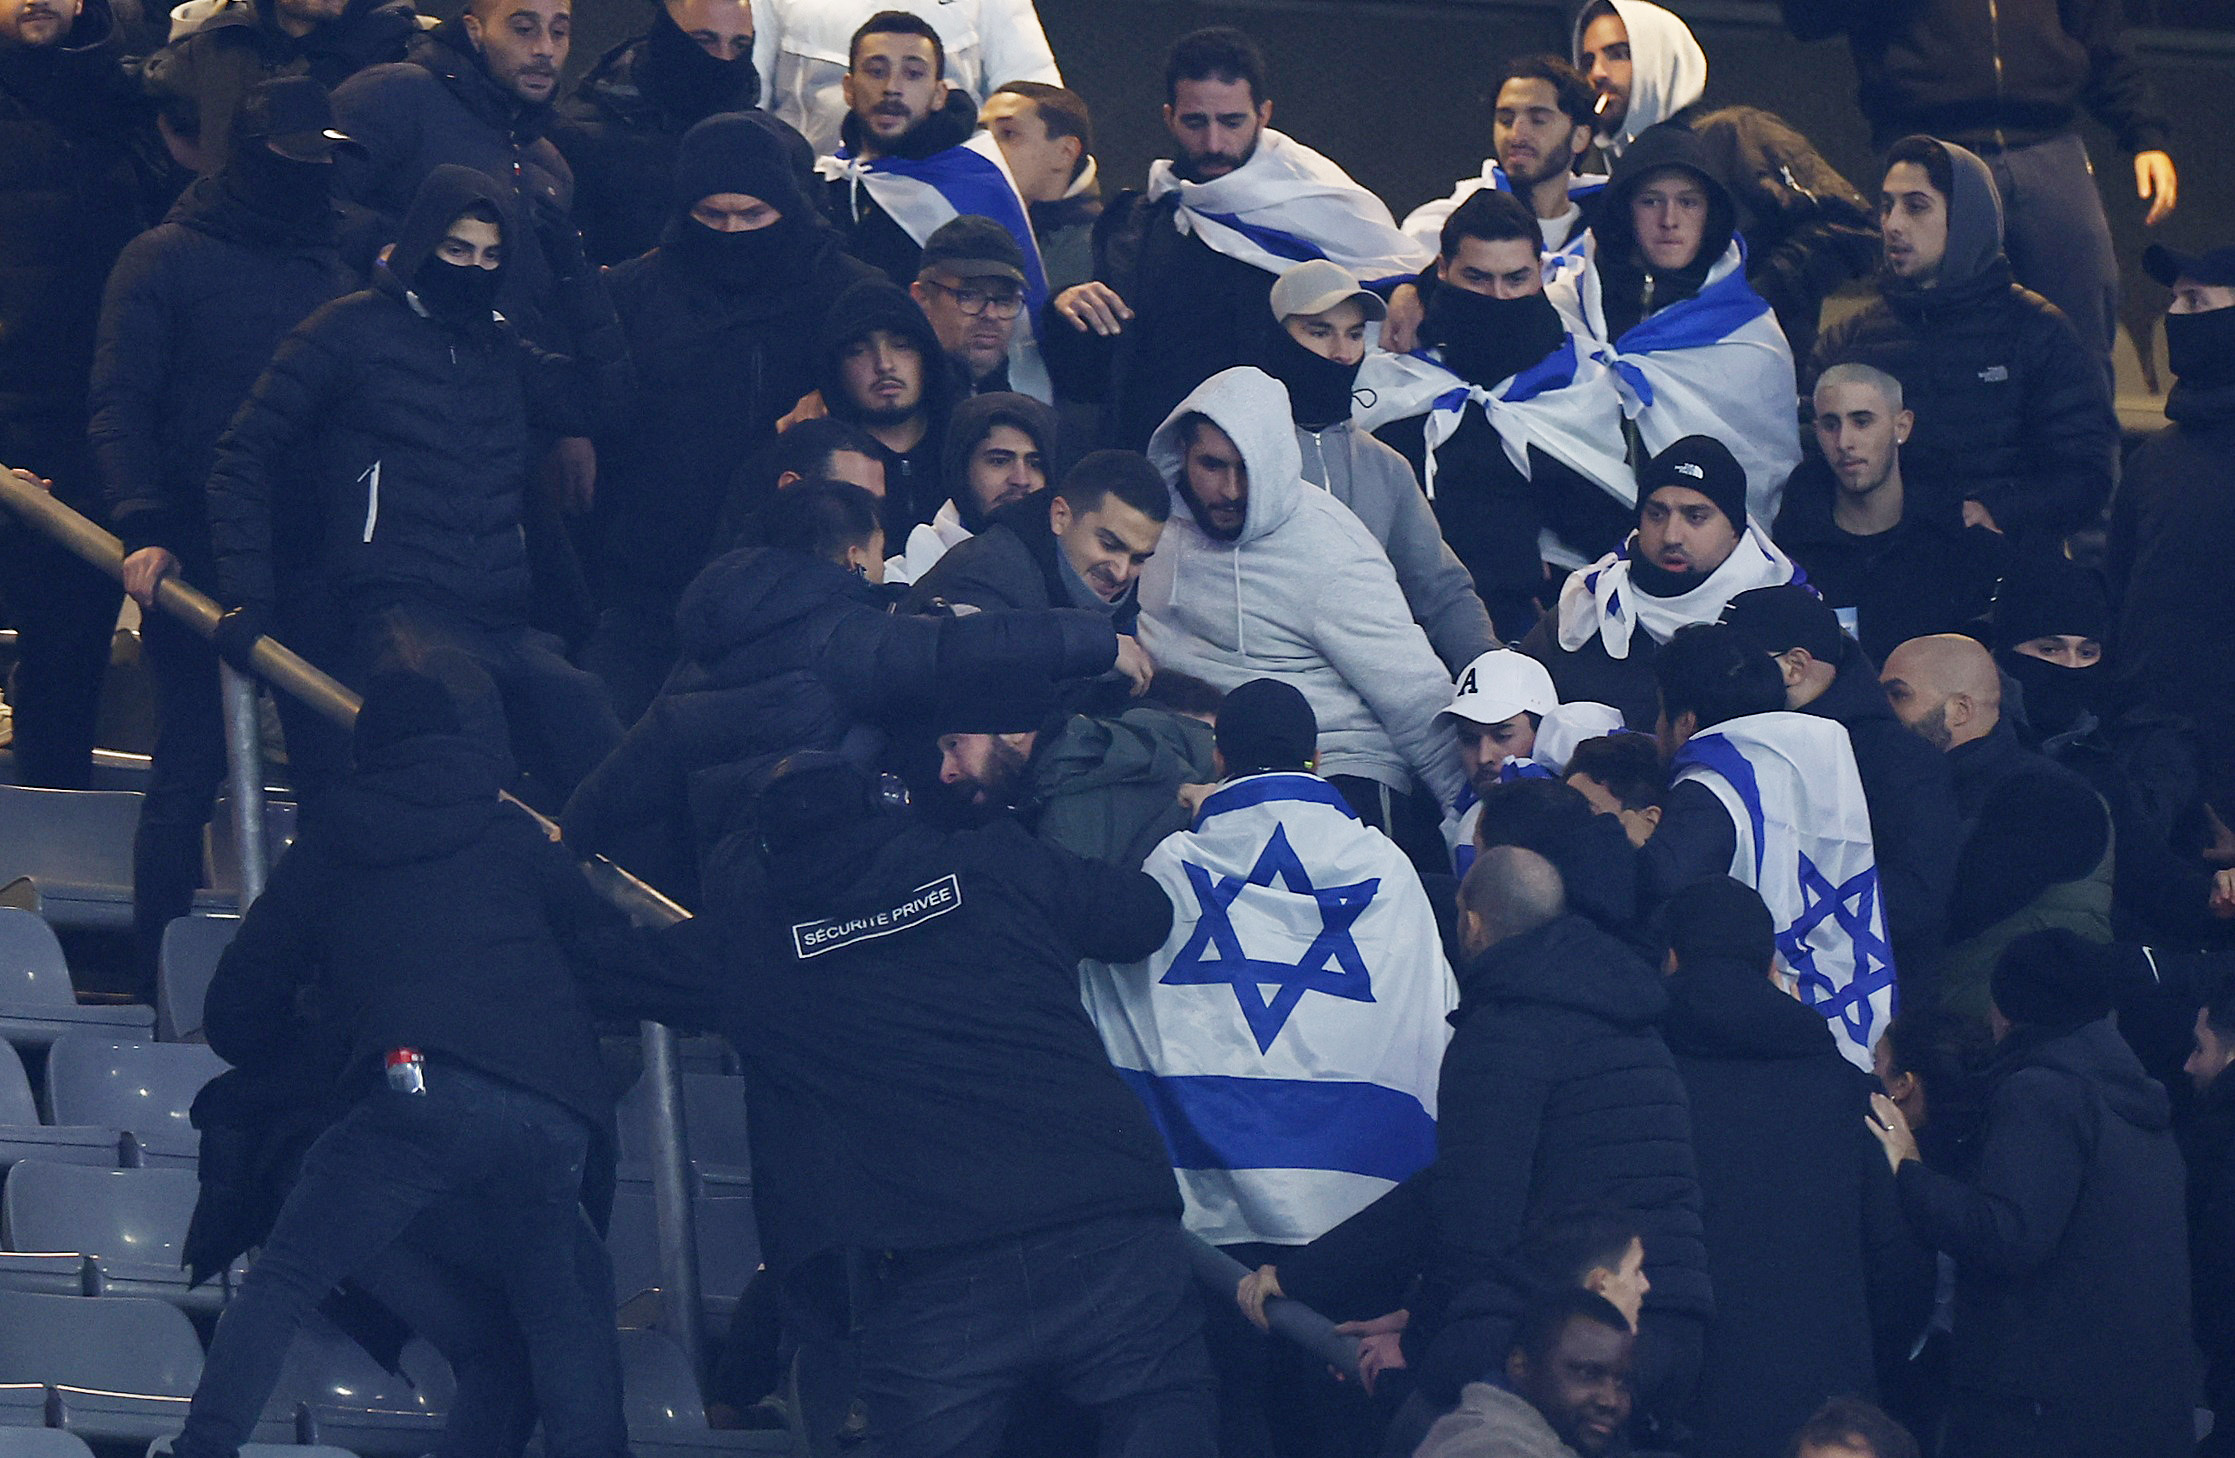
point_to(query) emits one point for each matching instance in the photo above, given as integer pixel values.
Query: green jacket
(1108, 789)
(2083, 907)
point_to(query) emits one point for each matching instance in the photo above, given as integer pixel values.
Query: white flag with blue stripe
(971, 179)
(1424, 224)
(1288, 205)
(1288, 1035)
(1790, 784)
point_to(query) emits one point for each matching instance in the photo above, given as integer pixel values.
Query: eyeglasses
(973, 302)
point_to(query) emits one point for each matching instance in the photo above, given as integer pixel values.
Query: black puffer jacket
(619, 131)
(783, 652)
(405, 437)
(194, 310)
(871, 234)
(915, 484)
(70, 199)
(716, 368)
(2012, 411)
(242, 44)
(1016, 562)
(441, 106)
(1805, 1238)
(1556, 1093)
(2208, 1147)
(2071, 1250)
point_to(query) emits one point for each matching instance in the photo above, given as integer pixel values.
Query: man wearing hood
(2173, 522)
(1315, 354)
(72, 198)
(1807, 229)
(431, 927)
(1694, 550)
(243, 42)
(1804, 1233)
(799, 47)
(620, 130)
(382, 458)
(879, 367)
(997, 452)
(1691, 346)
(1888, 550)
(2018, 416)
(1262, 575)
(1080, 545)
(2070, 1240)
(194, 310)
(720, 320)
(1180, 270)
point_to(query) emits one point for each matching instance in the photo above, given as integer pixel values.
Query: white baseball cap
(1569, 725)
(1500, 684)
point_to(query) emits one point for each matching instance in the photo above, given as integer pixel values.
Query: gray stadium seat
(37, 1001)
(161, 1448)
(666, 1415)
(132, 1222)
(122, 1369)
(74, 847)
(22, 1136)
(714, 1128)
(42, 1443)
(333, 1392)
(143, 1088)
(728, 1248)
(184, 966)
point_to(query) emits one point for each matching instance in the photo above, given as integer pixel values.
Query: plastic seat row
(67, 854)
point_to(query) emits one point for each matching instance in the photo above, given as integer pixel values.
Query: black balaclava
(2201, 347)
(455, 295)
(681, 76)
(296, 195)
(1319, 389)
(728, 152)
(2045, 594)
(1485, 340)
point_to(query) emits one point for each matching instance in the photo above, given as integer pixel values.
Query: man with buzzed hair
(1896, 563)
(2036, 840)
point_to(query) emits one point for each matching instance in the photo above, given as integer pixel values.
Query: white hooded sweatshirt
(1305, 595)
(1668, 70)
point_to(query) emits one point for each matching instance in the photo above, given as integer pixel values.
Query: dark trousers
(188, 767)
(1409, 819)
(1276, 1400)
(2057, 237)
(631, 650)
(64, 613)
(1104, 1312)
(507, 1164)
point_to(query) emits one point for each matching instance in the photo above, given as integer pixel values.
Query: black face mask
(2201, 347)
(1485, 340)
(279, 188)
(683, 77)
(757, 258)
(456, 293)
(1319, 389)
(2056, 698)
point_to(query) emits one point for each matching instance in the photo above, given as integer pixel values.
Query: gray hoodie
(1305, 595)
(1378, 485)
(1491, 1422)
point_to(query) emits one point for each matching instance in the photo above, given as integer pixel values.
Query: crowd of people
(1615, 829)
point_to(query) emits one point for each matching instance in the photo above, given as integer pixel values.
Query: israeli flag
(1790, 784)
(972, 179)
(1288, 205)
(1715, 364)
(1288, 1035)
(1424, 224)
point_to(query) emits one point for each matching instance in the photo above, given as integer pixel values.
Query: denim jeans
(505, 1167)
(1104, 1312)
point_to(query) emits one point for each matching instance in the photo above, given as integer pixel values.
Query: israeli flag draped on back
(1424, 224)
(1288, 205)
(923, 195)
(1288, 1035)
(1790, 784)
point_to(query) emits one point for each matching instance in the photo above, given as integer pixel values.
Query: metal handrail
(290, 673)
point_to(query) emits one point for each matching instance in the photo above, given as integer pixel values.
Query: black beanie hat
(1719, 918)
(2047, 594)
(1778, 619)
(400, 704)
(1010, 703)
(2052, 980)
(1266, 725)
(729, 152)
(1704, 464)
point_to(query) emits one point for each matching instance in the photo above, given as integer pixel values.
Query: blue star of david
(1214, 953)
(1850, 904)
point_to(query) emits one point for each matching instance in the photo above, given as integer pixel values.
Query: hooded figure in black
(720, 324)
(870, 232)
(1804, 1236)
(911, 437)
(243, 43)
(194, 309)
(2013, 411)
(397, 420)
(1631, 288)
(2070, 1240)
(620, 130)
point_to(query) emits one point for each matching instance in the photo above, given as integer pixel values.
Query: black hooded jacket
(2028, 824)
(1629, 288)
(783, 652)
(1805, 1239)
(1556, 1093)
(2013, 411)
(870, 233)
(70, 198)
(620, 129)
(2071, 1250)
(242, 43)
(194, 310)
(404, 437)
(914, 479)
